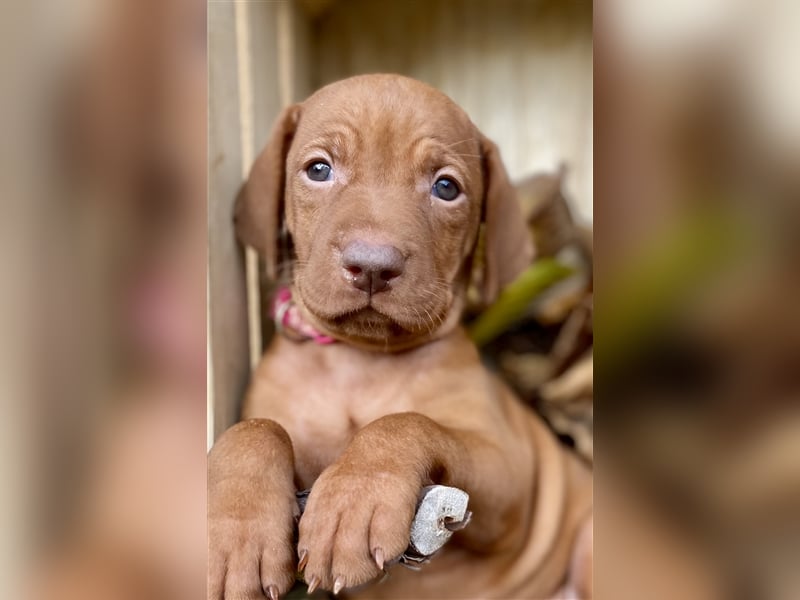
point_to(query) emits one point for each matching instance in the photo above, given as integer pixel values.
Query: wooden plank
(255, 68)
(227, 331)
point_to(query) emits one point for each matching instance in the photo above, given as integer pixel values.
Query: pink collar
(291, 323)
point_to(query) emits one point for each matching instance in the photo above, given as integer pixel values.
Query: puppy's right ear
(508, 246)
(258, 213)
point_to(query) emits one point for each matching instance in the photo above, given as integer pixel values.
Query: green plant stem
(515, 298)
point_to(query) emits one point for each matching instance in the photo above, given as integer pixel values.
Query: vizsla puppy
(379, 185)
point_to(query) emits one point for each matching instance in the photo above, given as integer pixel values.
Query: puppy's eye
(445, 189)
(319, 171)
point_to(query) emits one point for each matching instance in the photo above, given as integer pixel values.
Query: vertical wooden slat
(227, 316)
(246, 128)
(302, 53)
(285, 43)
(253, 66)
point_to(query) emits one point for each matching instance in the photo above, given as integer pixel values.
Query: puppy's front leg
(360, 510)
(251, 512)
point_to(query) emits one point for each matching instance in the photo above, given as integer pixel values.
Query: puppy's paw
(354, 522)
(251, 549)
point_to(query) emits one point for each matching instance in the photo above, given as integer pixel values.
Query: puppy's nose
(370, 267)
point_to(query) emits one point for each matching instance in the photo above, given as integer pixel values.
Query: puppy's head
(383, 183)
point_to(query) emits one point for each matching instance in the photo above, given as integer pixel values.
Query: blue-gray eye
(319, 171)
(446, 189)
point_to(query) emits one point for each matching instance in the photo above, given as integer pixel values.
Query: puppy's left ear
(508, 248)
(258, 214)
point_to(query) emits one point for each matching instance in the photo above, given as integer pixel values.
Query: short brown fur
(402, 400)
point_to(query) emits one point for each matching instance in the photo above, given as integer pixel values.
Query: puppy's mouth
(368, 319)
(376, 319)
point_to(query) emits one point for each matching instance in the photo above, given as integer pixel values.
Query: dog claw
(272, 592)
(303, 560)
(337, 586)
(312, 584)
(378, 555)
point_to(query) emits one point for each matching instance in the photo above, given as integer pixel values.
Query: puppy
(382, 186)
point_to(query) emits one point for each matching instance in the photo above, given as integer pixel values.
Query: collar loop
(290, 322)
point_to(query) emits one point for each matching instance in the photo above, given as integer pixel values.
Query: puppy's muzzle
(371, 267)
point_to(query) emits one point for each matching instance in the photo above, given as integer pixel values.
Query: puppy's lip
(382, 307)
(368, 314)
(355, 303)
(333, 313)
(365, 311)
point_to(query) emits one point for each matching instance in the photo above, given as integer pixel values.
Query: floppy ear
(258, 213)
(508, 248)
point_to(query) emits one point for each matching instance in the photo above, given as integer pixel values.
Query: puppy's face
(383, 201)
(384, 184)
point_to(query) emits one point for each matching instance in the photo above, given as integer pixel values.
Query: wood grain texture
(226, 289)
(245, 95)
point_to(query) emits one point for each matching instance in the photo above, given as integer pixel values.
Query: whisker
(469, 139)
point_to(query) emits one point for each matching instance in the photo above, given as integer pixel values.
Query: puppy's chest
(354, 392)
(325, 406)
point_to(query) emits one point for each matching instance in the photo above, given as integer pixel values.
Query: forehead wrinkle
(431, 151)
(333, 137)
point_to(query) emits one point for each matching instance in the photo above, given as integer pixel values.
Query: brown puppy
(382, 183)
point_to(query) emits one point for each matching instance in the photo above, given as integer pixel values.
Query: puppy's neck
(290, 321)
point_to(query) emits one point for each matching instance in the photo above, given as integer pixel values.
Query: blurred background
(104, 299)
(697, 131)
